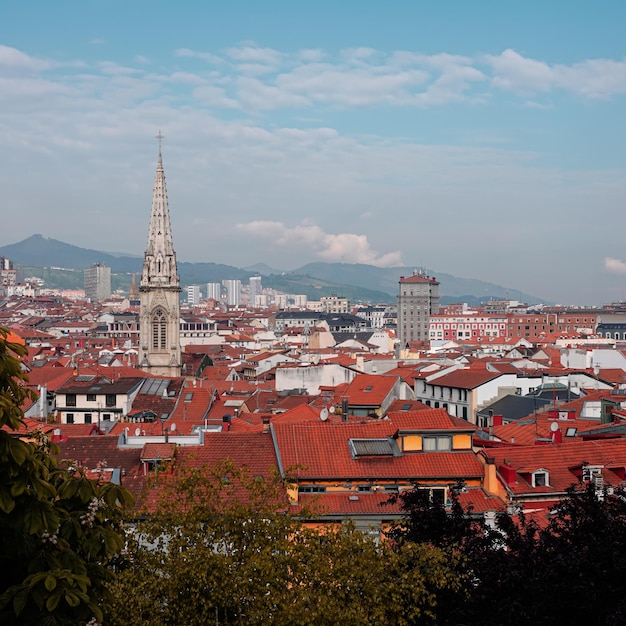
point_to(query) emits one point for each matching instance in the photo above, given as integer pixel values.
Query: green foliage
(60, 531)
(221, 547)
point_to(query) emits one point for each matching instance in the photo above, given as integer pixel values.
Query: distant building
(214, 291)
(418, 299)
(375, 315)
(133, 295)
(334, 304)
(233, 291)
(97, 282)
(193, 295)
(254, 289)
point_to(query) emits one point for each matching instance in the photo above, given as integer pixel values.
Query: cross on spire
(160, 137)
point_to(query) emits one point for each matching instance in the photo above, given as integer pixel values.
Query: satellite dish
(331, 408)
(172, 427)
(324, 415)
(554, 427)
(137, 432)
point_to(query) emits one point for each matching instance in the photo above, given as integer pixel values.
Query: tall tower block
(418, 299)
(159, 289)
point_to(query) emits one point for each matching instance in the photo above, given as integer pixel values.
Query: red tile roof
(322, 451)
(369, 389)
(562, 461)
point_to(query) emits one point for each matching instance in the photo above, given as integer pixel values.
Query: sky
(479, 139)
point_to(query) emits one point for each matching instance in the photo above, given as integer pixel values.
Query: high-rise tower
(97, 282)
(418, 299)
(159, 289)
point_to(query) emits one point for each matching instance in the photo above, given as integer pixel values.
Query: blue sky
(480, 139)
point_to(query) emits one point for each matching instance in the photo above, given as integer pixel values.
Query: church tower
(159, 310)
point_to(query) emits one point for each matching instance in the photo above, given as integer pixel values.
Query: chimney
(508, 473)
(266, 424)
(344, 409)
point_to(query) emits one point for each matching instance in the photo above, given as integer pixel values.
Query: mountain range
(60, 265)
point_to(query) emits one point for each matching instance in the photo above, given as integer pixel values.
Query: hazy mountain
(263, 269)
(40, 256)
(386, 279)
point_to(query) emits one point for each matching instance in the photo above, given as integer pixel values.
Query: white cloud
(342, 247)
(514, 72)
(614, 266)
(214, 96)
(192, 54)
(311, 55)
(254, 54)
(592, 78)
(595, 78)
(358, 87)
(13, 59)
(255, 94)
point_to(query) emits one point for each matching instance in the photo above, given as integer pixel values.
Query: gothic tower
(159, 314)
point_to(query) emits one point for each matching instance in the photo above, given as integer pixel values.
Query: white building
(214, 291)
(233, 291)
(193, 295)
(97, 282)
(254, 289)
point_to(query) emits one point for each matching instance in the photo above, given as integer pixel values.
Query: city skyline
(484, 142)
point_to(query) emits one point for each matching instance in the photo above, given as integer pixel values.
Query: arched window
(159, 330)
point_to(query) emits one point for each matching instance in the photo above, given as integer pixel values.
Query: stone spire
(159, 265)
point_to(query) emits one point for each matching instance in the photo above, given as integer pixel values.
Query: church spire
(159, 266)
(159, 289)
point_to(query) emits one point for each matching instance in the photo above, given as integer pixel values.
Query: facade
(96, 400)
(193, 295)
(159, 312)
(467, 327)
(214, 291)
(233, 291)
(418, 299)
(97, 282)
(375, 315)
(334, 304)
(531, 325)
(254, 289)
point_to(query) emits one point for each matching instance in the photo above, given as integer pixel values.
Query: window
(70, 399)
(106, 417)
(110, 399)
(540, 478)
(87, 418)
(433, 443)
(591, 472)
(91, 397)
(159, 330)
(312, 489)
(69, 418)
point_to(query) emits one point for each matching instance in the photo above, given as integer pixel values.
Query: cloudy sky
(481, 139)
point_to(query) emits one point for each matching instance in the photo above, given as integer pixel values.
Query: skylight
(371, 447)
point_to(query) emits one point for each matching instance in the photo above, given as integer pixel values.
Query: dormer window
(540, 478)
(433, 443)
(591, 473)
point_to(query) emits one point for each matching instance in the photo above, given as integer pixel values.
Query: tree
(220, 546)
(568, 570)
(61, 532)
